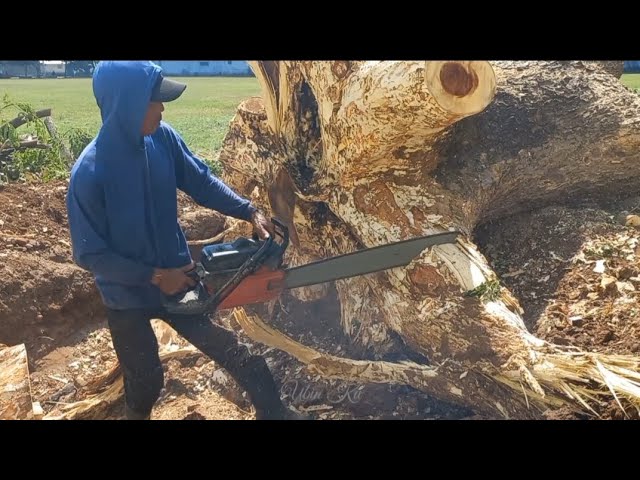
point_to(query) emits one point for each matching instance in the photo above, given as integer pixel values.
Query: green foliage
(30, 151)
(78, 139)
(488, 291)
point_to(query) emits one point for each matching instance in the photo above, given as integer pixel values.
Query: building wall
(632, 66)
(50, 69)
(18, 69)
(204, 67)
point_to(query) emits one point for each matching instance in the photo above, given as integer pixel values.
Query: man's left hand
(261, 225)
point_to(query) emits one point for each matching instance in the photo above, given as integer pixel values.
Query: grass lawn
(201, 114)
(631, 80)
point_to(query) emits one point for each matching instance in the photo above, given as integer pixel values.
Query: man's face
(152, 118)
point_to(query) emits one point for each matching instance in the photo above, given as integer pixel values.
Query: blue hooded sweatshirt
(122, 198)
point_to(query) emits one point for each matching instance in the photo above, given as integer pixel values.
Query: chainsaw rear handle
(197, 273)
(265, 258)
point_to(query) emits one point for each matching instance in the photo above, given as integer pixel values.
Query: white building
(52, 68)
(187, 68)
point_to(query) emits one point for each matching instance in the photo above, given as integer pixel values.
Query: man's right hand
(173, 280)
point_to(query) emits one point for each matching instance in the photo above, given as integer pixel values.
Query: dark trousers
(136, 347)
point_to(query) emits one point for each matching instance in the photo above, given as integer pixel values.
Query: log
(15, 386)
(22, 118)
(33, 144)
(377, 152)
(359, 105)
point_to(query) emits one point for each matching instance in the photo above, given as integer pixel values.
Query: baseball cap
(167, 90)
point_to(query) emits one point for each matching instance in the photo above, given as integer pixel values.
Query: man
(122, 207)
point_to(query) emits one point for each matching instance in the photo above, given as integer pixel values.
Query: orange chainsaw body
(263, 285)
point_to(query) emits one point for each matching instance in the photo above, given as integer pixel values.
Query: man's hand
(173, 280)
(261, 226)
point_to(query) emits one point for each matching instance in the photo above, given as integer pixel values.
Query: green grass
(202, 114)
(631, 80)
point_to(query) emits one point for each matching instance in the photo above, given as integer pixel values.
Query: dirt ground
(575, 271)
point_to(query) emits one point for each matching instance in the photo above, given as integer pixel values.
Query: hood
(123, 91)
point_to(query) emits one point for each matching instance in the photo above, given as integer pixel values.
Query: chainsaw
(250, 270)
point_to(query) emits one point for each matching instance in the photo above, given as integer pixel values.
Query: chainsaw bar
(370, 260)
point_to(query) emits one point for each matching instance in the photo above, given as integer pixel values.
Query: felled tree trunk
(15, 386)
(357, 154)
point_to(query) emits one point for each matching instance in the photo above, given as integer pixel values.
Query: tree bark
(614, 67)
(357, 154)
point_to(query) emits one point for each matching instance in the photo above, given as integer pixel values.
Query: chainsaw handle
(284, 232)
